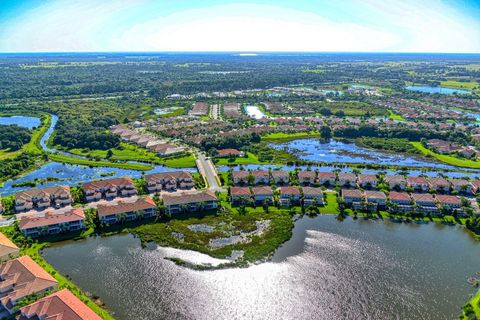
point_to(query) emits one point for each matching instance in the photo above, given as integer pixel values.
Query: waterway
(336, 151)
(328, 270)
(441, 90)
(21, 121)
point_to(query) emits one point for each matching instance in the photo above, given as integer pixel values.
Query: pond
(328, 270)
(347, 152)
(441, 90)
(21, 121)
(69, 174)
(255, 112)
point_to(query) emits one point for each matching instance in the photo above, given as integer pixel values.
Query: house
(395, 182)
(439, 185)
(327, 178)
(191, 201)
(475, 184)
(61, 305)
(376, 197)
(463, 186)
(312, 195)
(401, 201)
(8, 249)
(261, 194)
(426, 203)
(109, 189)
(280, 177)
(418, 184)
(169, 181)
(43, 198)
(289, 195)
(352, 196)
(240, 194)
(240, 177)
(347, 180)
(20, 278)
(261, 177)
(227, 153)
(367, 181)
(126, 210)
(53, 223)
(448, 202)
(307, 177)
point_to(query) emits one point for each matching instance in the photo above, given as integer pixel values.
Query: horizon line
(246, 52)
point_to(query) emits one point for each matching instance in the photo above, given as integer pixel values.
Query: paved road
(208, 171)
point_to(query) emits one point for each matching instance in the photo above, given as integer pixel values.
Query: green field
(250, 159)
(280, 136)
(92, 163)
(471, 86)
(395, 116)
(331, 205)
(451, 160)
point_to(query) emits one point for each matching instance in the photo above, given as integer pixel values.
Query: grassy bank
(451, 160)
(471, 310)
(249, 159)
(283, 137)
(91, 163)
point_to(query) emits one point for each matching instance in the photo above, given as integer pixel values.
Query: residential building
(261, 194)
(418, 184)
(307, 177)
(53, 223)
(376, 197)
(401, 201)
(43, 198)
(227, 153)
(261, 177)
(240, 177)
(367, 181)
(126, 210)
(395, 182)
(352, 196)
(327, 178)
(289, 195)
(280, 177)
(8, 249)
(20, 278)
(61, 305)
(425, 202)
(312, 195)
(449, 202)
(463, 186)
(109, 189)
(347, 180)
(191, 201)
(239, 194)
(169, 181)
(439, 185)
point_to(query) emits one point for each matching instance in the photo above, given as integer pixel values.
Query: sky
(244, 26)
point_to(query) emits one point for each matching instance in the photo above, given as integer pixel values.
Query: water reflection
(21, 121)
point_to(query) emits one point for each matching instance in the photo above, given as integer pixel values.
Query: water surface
(441, 90)
(21, 121)
(328, 270)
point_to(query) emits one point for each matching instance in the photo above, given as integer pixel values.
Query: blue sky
(213, 25)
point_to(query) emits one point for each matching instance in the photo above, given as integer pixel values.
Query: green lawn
(92, 163)
(187, 161)
(250, 159)
(280, 136)
(451, 160)
(395, 116)
(471, 86)
(331, 206)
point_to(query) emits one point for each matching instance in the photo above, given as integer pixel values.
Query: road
(208, 171)
(215, 111)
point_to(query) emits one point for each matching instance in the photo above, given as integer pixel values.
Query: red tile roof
(108, 183)
(62, 305)
(240, 191)
(352, 193)
(124, 207)
(190, 197)
(447, 199)
(262, 191)
(423, 197)
(312, 191)
(399, 196)
(375, 194)
(290, 190)
(52, 218)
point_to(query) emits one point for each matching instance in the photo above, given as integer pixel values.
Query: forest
(13, 137)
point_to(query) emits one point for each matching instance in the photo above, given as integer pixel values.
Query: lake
(328, 270)
(255, 112)
(347, 152)
(441, 90)
(72, 175)
(21, 121)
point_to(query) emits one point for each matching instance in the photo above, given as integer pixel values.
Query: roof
(62, 305)
(26, 277)
(51, 218)
(262, 191)
(352, 193)
(388, 178)
(124, 207)
(240, 191)
(43, 192)
(459, 182)
(399, 196)
(6, 246)
(438, 182)
(312, 191)
(327, 175)
(307, 174)
(240, 174)
(423, 197)
(290, 190)
(260, 173)
(417, 180)
(367, 177)
(108, 183)
(347, 176)
(186, 198)
(279, 173)
(177, 175)
(375, 194)
(443, 198)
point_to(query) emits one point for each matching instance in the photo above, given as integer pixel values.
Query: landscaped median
(451, 160)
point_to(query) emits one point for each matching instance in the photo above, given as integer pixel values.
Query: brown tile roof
(375, 195)
(417, 180)
(240, 174)
(437, 182)
(312, 191)
(280, 174)
(423, 197)
(43, 192)
(262, 191)
(228, 152)
(6, 246)
(352, 193)
(174, 175)
(26, 277)
(124, 207)
(327, 175)
(290, 190)
(51, 218)
(367, 177)
(347, 176)
(240, 191)
(62, 305)
(108, 183)
(307, 174)
(443, 198)
(260, 173)
(394, 179)
(399, 196)
(186, 198)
